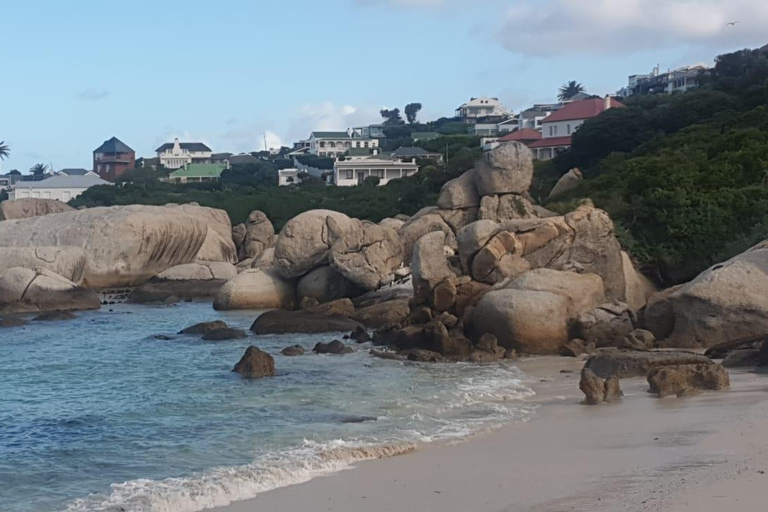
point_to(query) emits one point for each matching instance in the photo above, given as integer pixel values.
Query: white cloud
(247, 137)
(329, 116)
(552, 27)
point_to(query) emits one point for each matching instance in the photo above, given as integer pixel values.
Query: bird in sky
(732, 23)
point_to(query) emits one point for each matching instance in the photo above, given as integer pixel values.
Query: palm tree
(569, 90)
(38, 169)
(4, 150)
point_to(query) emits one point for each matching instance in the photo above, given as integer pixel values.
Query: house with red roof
(558, 128)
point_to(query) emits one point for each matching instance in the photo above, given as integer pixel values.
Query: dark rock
(511, 355)
(448, 320)
(225, 334)
(420, 315)
(687, 379)
(742, 358)
(54, 316)
(339, 307)
(598, 390)
(574, 348)
(721, 350)
(357, 419)
(283, 322)
(12, 322)
(639, 339)
(308, 302)
(204, 327)
(763, 359)
(444, 295)
(606, 325)
(162, 337)
(452, 343)
(295, 350)
(255, 364)
(360, 335)
(627, 363)
(334, 347)
(385, 315)
(423, 356)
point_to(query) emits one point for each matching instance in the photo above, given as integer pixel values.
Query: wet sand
(703, 453)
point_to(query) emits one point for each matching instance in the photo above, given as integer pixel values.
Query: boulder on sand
(688, 379)
(31, 207)
(583, 291)
(325, 284)
(68, 262)
(365, 255)
(305, 241)
(283, 322)
(507, 169)
(255, 364)
(256, 289)
(23, 290)
(189, 281)
(630, 363)
(598, 390)
(606, 325)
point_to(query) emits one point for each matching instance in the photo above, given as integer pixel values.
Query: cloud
(247, 137)
(554, 27)
(328, 116)
(92, 94)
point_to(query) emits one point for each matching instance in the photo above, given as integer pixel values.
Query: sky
(73, 74)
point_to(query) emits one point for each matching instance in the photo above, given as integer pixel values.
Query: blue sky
(76, 73)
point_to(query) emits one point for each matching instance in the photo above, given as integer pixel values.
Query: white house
(175, 155)
(480, 107)
(62, 188)
(534, 116)
(348, 173)
(287, 177)
(335, 144)
(76, 172)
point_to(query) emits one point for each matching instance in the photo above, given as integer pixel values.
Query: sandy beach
(704, 453)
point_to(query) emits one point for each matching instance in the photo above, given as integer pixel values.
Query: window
(358, 144)
(569, 129)
(555, 129)
(322, 144)
(366, 144)
(350, 175)
(332, 144)
(550, 131)
(380, 173)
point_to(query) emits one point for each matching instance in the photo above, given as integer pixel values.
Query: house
(62, 187)
(197, 173)
(113, 158)
(526, 136)
(175, 155)
(412, 154)
(491, 125)
(286, 177)
(558, 128)
(372, 131)
(335, 144)
(416, 136)
(76, 172)
(533, 117)
(677, 81)
(347, 173)
(476, 108)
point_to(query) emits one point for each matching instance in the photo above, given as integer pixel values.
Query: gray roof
(113, 145)
(411, 152)
(74, 172)
(64, 182)
(189, 146)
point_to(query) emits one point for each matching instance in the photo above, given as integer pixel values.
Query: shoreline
(642, 454)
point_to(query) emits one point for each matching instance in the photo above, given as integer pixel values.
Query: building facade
(286, 177)
(354, 172)
(676, 81)
(175, 155)
(197, 173)
(61, 188)
(335, 144)
(477, 108)
(113, 158)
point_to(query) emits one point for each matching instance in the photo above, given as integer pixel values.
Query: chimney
(607, 102)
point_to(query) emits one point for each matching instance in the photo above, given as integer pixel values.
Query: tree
(5, 151)
(391, 117)
(411, 111)
(569, 90)
(38, 169)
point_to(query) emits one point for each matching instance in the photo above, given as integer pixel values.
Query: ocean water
(96, 414)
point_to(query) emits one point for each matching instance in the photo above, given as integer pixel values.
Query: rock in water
(284, 322)
(255, 364)
(334, 347)
(68, 262)
(507, 169)
(385, 315)
(685, 380)
(204, 327)
(225, 335)
(23, 290)
(190, 281)
(30, 207)
(54, 316)
(293, 351)
(742, 358)
(255, 289)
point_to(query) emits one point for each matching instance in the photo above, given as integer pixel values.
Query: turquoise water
(98, 415)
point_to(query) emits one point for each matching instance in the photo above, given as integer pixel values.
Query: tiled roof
(199, 171)
(189, 146)
(113, 145)
(331, 135)
(585, 109)
(521, 135)
(552, 142)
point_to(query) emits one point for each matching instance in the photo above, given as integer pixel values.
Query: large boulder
(566, 183)
(726, 302)
(385, 315)
(500, 259)
(366, 255)
(325, 284)
(430, 264)
(638, 289)
(473, 237)
(218, 244)
(124, 245)
(255, 364)
(507, 169)
(264, 260)
(304, 321)
(259, 235)
(688, 379)
(68, 262)
(24, 290)
(532, 322)
(606, 325)
(632, 363)
(583, 292)
(305, 241)
(188, 281)
(418, 226)
(500, 208)
(30, 207)
(256, 289)
(459, 193)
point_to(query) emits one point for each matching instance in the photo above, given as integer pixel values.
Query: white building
(335, 144)
(480, 107)
(348, 173)
(372, 131)
(62, 188)
(534, 116)
(175, 155)
(287, 177)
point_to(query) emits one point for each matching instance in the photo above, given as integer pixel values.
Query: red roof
(525, 134)
(551, 142)
(584, 109)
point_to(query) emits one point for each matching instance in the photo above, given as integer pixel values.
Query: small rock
(597, 390)
(225, 334)
(162, 337)
(511, 355)
(54, 316)
(421, 315)
(335, 347)
(204, 327)
(573, 348)
(12, 322)
(612, 389)
(295, 350)
(687, 379)
(357, 419)
(255, 364)
(423, 356)
(385, 355)
(360, 335)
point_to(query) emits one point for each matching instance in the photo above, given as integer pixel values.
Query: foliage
(5, 151)
(38, 169)
(316, 161)
(569, 90)
(411, 111)
(391, 117)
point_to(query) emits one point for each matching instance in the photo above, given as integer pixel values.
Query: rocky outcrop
(630, 363)
(29, 207)
(185, 282)
(325, 284)
(638, 289)
(365, 255)
(583, 292)
(24, 290)
(334, 347)
(568, 182)
(418, 226)
(305, 241)
(305, 321)
(385, 315)
(459, 193)
(598, 390)
(256, 289)
(606, 325)
(499, 260)
(258, 235)
(255, 364)
(68, 262)
(508, 169)
(264, 260)
(204, 327)
(218, 244)
(293, 351)
(430, 265)
(726, 302)
(123, 245)
(506, 207)
(689, 379)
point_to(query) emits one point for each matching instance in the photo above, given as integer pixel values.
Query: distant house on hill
(76, 172)
(477, 108)
(679, 80)
(335, 144)
(557, 129)
(175, 155)
(348, 173)
(411, 154)
(197, 173)
(113, 158)
(62, 187)
(526, 136)
(533, 117)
